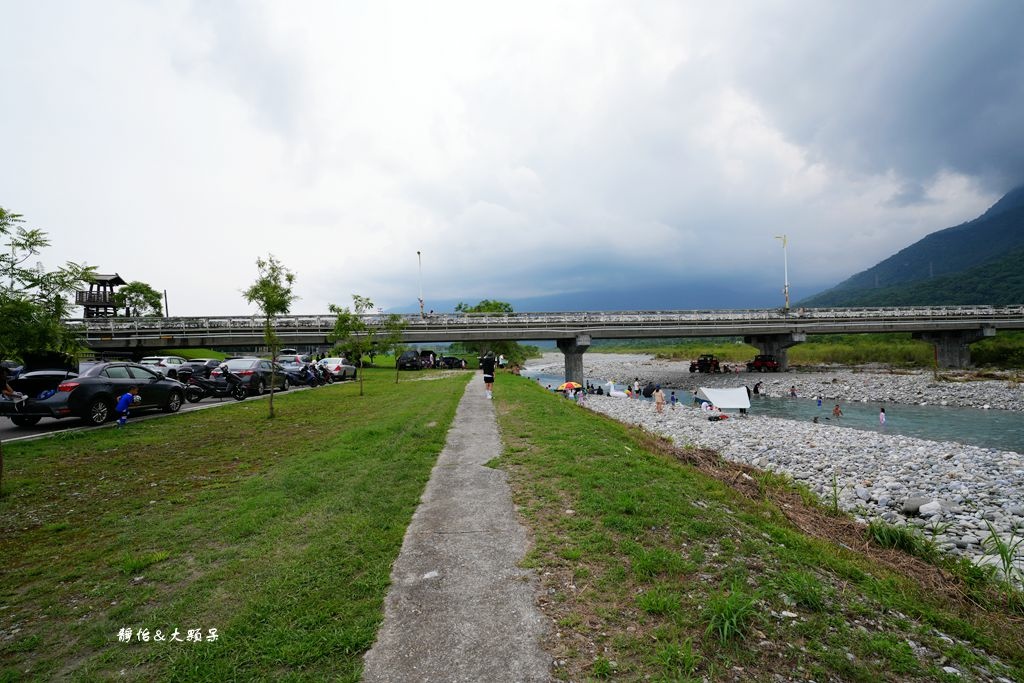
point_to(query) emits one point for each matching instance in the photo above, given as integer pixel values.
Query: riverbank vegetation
(1005, 350)
(662, 562)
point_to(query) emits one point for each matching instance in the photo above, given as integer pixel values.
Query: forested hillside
(980, 261)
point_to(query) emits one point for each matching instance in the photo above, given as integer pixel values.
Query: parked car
(201, 367)
(256, 374)
(168, 365)
(90, 395)
(452, 362)
(409, 360)
(763, 363)
(339, 367)
(705, 363)
(428, 359)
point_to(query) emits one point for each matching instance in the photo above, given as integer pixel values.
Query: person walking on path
(487, 365)
(659, 399)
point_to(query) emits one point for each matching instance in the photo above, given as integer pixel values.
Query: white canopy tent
(725, 398)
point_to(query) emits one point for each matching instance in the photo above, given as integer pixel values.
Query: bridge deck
(120, 333)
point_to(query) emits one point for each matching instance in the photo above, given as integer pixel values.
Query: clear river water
(1001, 429)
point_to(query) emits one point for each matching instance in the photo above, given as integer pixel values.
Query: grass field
(280, 534)
(277, 533)
(653, 570)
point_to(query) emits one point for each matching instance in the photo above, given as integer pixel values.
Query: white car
(168, 365)
(339, 367)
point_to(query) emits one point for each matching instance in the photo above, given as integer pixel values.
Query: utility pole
(785, 271)
(419, 259)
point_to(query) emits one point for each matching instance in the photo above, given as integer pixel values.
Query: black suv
(706, 363)
(409, 360)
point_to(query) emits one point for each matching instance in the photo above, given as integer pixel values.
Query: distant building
(98, 302)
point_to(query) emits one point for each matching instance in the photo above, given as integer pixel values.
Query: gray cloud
(915, 87)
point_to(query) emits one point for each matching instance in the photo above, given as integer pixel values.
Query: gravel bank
(949, 489)
(871, 384)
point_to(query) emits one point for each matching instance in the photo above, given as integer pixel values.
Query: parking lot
(10, 432)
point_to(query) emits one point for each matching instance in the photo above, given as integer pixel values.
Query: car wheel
(259, 388)
(98, 412)
(285, 386)
(25, 420)
(354, 372)
(174, 402)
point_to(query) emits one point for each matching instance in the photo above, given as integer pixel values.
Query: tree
(360, 337)
(272, 294)
(33, 302)
(139, 299)
(513, 351)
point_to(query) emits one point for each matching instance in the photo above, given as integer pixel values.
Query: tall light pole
(785, 270)
(419, 260)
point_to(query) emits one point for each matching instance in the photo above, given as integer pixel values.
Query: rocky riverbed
(951, 491)
(871, 384)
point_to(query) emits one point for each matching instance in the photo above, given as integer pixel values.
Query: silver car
(339, 367)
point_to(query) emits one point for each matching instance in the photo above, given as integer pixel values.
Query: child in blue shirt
(124, 403)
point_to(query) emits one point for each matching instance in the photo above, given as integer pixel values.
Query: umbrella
(569, 385)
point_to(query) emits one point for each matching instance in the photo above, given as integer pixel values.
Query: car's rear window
(242, 363)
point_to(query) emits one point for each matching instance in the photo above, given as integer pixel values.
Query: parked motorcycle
(301, 376)
(199, 388)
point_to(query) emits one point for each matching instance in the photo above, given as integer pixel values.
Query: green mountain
(978, 262)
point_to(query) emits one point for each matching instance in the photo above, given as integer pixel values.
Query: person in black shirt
(487, 365)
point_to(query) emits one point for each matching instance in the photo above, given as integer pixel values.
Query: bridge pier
(574, 349)
(953, 348)
(776, 345)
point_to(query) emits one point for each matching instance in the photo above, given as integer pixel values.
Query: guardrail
(218, 326)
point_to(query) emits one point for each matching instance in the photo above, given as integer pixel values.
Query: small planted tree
(352, 331)
(272, 294)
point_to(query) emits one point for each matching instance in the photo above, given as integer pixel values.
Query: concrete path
(459, 609)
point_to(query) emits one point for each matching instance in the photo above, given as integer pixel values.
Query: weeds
(133, 564)
(730, 612)
(804, 588)
(678, 660)
(658, 600)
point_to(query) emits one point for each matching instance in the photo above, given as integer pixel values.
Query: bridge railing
(219, 326)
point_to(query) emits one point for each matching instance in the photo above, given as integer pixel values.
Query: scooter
(199, 388)
(301, 376)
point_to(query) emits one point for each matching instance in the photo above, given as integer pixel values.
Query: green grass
(279, 534)
(671, 574)
(1004, 350)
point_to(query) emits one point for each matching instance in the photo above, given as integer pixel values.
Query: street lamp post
(419, 260)
(785, 271)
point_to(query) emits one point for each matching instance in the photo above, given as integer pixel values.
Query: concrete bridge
(951, 329)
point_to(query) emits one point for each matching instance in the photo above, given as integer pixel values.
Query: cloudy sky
(526, 148)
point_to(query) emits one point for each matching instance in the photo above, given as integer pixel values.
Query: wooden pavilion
(98, 302)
